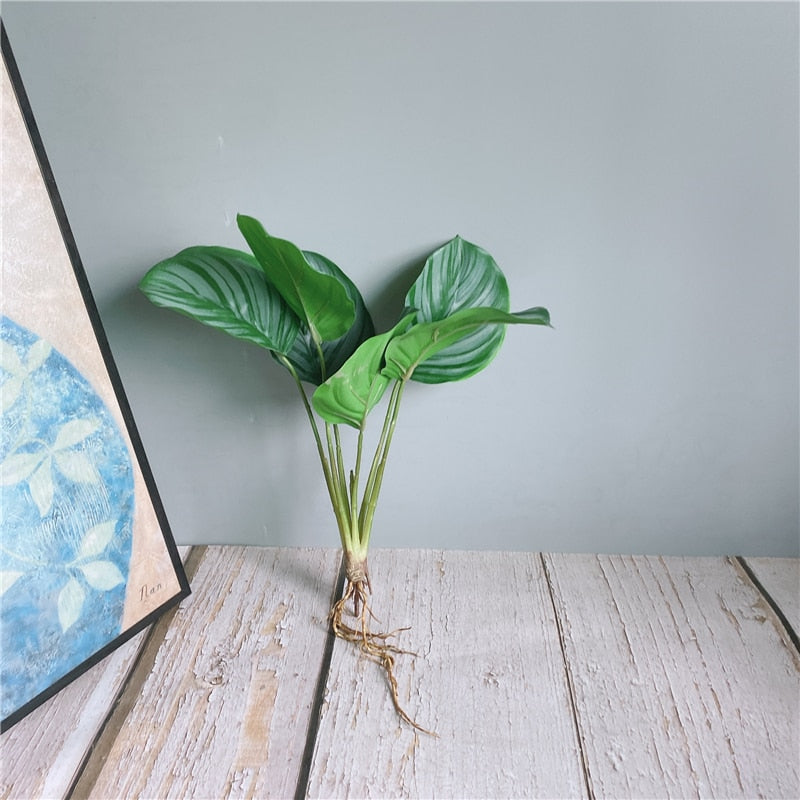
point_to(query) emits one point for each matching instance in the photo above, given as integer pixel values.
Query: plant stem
(340, 465)
(339, 497)
(373, 472)
(330, 477)
(375, 478)
(337, 485)
(354, 480)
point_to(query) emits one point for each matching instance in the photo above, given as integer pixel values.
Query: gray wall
(633, 167)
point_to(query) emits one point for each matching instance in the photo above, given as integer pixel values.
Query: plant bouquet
(311, 317)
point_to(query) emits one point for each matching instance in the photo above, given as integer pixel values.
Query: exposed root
(374, 645)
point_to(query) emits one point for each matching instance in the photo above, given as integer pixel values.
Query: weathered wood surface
(221, 709)
(676, 674)
(685, 682)
(780, 577)
(42, 755)
(544, 676)
(489, 680)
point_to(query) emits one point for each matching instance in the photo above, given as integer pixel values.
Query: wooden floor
(543, 676)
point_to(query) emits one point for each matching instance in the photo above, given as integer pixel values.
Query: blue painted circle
(46, 515)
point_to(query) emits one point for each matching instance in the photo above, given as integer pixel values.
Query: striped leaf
(458, 276)
(304, 356)
(224, 289)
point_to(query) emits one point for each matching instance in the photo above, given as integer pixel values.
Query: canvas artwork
(86, 557)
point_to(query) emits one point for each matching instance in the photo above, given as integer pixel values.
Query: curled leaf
(319, 300)
(349, 395)
(425, 341)
(304, 355)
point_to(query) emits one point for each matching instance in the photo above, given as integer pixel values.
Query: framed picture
(87, 559)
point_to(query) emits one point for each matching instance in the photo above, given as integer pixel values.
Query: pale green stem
(355, 476)
(338, 481)
(330, 478)
(340, 461)
(373, 472)
(340, 486)
(379, 465)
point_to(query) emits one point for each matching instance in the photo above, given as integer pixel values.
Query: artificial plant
(311, 317)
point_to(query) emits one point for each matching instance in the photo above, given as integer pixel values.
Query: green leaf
(224, 289)
(319, 300)
(424, 341)
(459, 275)
(304, 355)
(348, 396)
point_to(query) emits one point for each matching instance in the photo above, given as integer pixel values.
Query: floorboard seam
(770, 601)
(304, 775)
(570, 684)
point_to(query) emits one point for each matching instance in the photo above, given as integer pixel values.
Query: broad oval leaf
(70, 604)
(459, 275)
(38, 354)
(318, 299)
(77, 467)
(349, 395)
(304, 356)
(75, 431)
(225, 289)
(96, 539)
(102, 575)
(19, 466)
(425, 341)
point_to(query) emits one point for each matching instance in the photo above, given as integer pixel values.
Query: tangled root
(374, 645)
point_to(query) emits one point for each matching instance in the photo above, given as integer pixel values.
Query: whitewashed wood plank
(42, 754)
(781, 578)
(685, 683)
(224, 704)
(489, 680)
